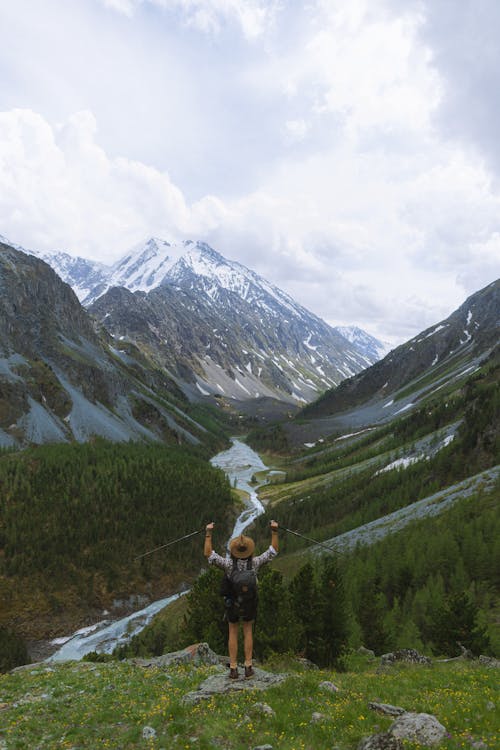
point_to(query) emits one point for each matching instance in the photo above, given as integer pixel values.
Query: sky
(347, 152)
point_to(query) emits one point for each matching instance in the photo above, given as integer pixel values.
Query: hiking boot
(233, 673)
(249, 671)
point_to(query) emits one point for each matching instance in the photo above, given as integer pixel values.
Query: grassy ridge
(109, 705)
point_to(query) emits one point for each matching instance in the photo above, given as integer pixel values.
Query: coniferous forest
(74, 518)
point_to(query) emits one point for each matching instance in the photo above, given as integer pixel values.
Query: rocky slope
(451, 349)
(222, 328)
(61, 379)
(217, 325)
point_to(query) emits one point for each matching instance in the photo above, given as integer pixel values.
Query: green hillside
(122, 706)
(73, 519)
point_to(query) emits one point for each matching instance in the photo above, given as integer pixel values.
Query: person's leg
(233, 644)
(248, 642)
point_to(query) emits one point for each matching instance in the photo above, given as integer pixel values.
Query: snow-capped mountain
(373, 348)
(195, 313)
(241, 336)
(61, 380)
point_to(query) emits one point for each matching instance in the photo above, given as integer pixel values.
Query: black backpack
(240, 586)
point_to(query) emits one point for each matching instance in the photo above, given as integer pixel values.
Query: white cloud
(61, 190)
(312, 155)
(127, 7)
(253, 17)
(295, 130)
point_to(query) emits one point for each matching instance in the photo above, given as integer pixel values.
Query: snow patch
(401, 463)
(404, 408)
(202, 390)
(435, 330)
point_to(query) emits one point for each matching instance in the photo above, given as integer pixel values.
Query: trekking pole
(174, 541)
(314, 541)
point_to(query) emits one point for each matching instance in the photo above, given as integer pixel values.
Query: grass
(82, 705)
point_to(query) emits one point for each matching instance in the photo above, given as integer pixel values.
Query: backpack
(240, 586)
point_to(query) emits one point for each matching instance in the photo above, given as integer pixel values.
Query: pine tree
(204, 620)
(306, 606)
(334, 615)
(457, 625)
(277, 631)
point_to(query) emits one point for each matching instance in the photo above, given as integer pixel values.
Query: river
(240, 463)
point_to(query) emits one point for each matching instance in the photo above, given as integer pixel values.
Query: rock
(366, 652)
(489, 661)
(424, 729)
(220, 683)
(317, 717)
(245, 720)
(196, 654)
(386, 709)
(327, 685)
(383, 741)
(263, 747)
(262, 709)
(409, 655)
(148, 733)
(307, 663)
(26, 667)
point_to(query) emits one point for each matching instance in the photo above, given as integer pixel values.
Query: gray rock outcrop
(422, 728)
(220, 683)
(409, 655)
(197, 654)
(382, 741)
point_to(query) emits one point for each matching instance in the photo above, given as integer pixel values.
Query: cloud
(323, 155)
(252, 17)
(61, 190)
(463, 38)
(295, 130)
(127, 7)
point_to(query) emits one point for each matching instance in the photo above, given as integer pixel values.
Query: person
(241, 558)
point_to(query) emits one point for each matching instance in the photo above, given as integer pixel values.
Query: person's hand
(210, 526)
(274, 525)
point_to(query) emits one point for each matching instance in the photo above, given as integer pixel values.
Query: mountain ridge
(61, 378)
(443, 351)
(274, 347)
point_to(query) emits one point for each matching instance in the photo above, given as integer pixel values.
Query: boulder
(409, 655)
(386, 709)
(220, 683)
(423, 729)
(489, 661)
(197, 654)
(262, 709)
(383, 741)
(329, 686)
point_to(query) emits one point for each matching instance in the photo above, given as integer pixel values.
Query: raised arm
(207, 550)
(274, 535)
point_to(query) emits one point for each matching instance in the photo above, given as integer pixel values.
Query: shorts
(246, 611)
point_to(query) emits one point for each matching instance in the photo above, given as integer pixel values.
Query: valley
(110, 418)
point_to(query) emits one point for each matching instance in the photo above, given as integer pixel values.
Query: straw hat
(241, 546)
